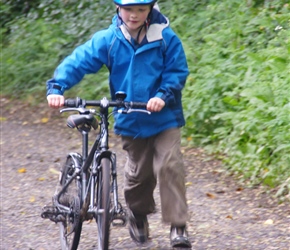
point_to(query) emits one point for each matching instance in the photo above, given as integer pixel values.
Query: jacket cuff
(54, 92)
(161, 95)
(53, 88)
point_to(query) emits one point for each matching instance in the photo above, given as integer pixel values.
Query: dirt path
(223, 214)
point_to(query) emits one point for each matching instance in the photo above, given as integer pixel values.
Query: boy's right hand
(55, 101)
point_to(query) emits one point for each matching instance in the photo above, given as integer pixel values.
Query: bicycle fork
(118, 214)
(119, 217)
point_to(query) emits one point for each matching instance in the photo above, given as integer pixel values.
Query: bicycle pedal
(119, 220)
(51, 212)
(47, 210)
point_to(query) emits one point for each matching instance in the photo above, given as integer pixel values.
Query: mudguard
(77, 159)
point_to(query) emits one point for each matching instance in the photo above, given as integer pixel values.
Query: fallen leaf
(41, 178)
(269, 222)
(22, 170)
(187, 184)
(44, 120)
(57, 160)
(210, 195)
(32, 199)
(2, 119)
(53, 170)
(230, 217)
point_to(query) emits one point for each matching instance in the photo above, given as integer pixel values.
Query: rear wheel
(103, 217)
(71, 225)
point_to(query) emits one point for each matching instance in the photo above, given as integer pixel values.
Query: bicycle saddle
(74, 121)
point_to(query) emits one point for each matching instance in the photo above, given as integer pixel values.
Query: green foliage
(40, 39)
(236, 101)
(237, 96)
(11, 9)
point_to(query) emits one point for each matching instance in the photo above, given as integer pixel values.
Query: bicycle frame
(99, 150)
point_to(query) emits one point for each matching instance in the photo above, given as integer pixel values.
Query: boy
(146, 60)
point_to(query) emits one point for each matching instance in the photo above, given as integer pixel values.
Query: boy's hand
(155, 104)
(55, 101)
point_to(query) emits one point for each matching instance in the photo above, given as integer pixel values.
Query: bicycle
(88, 181)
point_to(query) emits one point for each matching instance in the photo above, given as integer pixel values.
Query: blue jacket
(158, 68)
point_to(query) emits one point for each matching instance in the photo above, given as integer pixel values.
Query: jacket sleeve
(175, 69)
(85, 59)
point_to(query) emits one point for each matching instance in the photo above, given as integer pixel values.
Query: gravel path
(223, 213)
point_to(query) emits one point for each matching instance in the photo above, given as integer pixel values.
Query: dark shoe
(138, 228)
(179, 237)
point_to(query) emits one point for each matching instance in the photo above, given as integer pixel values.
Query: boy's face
(135, 16)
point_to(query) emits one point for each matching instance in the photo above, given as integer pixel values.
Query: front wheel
(71, 225)
(103, 217)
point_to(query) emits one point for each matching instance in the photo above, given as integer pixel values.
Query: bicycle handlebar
(105, 103)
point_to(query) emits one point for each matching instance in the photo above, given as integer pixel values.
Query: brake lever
(128, 111)
(82, 111)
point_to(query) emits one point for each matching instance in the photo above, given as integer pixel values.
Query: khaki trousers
(150, 158)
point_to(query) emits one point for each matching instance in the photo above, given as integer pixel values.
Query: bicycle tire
(103, 217)
(70, 228)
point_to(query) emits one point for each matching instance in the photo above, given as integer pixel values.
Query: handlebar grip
(93, 103)
(74, 103)
(70, 103)
(138, 105)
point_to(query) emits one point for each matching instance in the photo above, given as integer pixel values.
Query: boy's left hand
(155, 104)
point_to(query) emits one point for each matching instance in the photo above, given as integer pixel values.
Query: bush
(40, 39)
(237, 96)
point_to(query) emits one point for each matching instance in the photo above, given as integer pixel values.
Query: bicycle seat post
(85, 139)
(85, 142)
